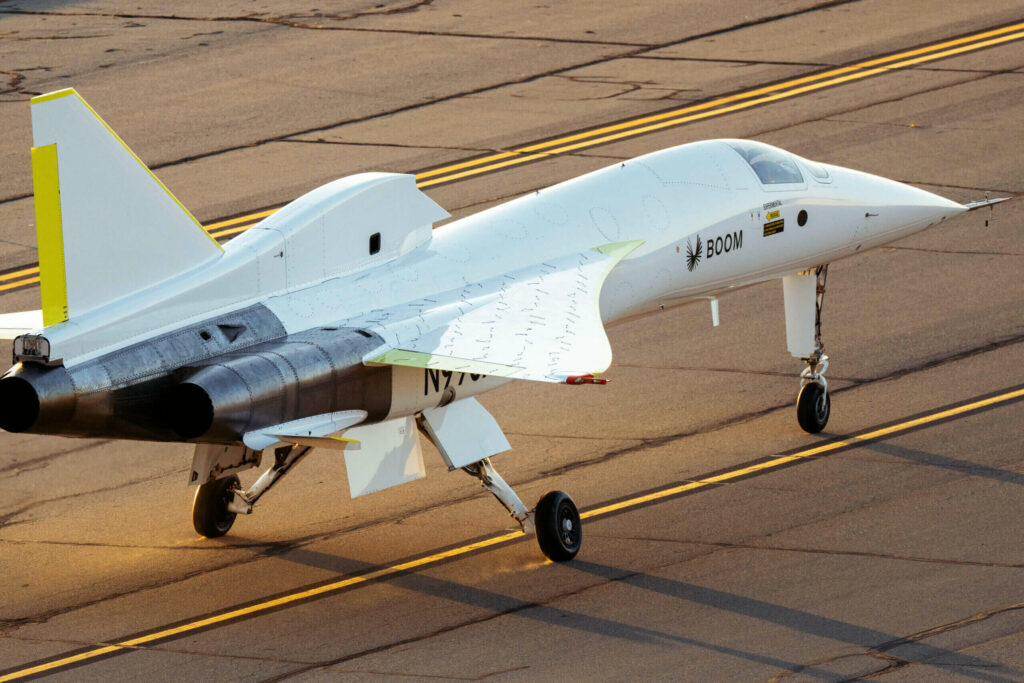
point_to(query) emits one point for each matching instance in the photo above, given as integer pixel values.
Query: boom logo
(723, 244)
(693, 254)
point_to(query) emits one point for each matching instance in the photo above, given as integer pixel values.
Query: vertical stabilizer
(106, 226)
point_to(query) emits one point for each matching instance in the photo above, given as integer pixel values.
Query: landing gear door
(213, 461)
(800, 294)
(388, 454)
(464, 432)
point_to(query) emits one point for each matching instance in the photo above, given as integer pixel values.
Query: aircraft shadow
(944, 461)
(500, 605)
(797, 620)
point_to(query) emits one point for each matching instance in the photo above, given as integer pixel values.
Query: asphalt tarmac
(722, 542)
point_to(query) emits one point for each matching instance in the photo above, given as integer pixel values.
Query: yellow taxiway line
(572, 142)
(435, 558)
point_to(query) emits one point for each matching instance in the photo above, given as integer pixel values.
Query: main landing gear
(218, 502)
(555, 520)
(813, 404)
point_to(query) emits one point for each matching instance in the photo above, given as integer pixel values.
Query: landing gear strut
(218, 502)
(555, 520)
(813, 403)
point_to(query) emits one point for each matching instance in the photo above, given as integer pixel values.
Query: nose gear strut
(813, 404)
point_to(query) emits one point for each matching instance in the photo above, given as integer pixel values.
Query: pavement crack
(881, 650)
(9, 625)
(947, 627)
(629, 87)
(9, 519)
(6, 517)
(289, 21)
(314, 22)
(14, 79)
(625, 87)
(201, 34)
(41, 461)
(57, 37)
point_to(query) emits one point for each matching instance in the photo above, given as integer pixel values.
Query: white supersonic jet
(344, 321)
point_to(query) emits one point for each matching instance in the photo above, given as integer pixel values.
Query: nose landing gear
(813, 404)
(802, 291)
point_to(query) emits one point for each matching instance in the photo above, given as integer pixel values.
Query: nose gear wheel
(813, 403)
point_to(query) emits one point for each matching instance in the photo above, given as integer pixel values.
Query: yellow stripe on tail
(49, 234)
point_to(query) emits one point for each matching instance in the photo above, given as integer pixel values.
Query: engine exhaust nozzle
(34, 397)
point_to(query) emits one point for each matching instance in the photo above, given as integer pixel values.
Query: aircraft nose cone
(921, 203)
(895, 207)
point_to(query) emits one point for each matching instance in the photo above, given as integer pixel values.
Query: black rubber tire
(813, 407)
(210, 514)
(559, 530)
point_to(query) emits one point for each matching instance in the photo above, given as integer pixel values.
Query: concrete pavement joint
(447, 677)
(957, 251)
(961, 187)
(891, 100)
(738, 371)
(395, 145)
(743, 62)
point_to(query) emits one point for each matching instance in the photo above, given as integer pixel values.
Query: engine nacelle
(178, 393)
(311, 373)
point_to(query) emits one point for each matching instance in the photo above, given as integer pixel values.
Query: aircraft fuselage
(711, 216)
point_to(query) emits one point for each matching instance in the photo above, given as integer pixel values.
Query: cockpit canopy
(772, 166)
